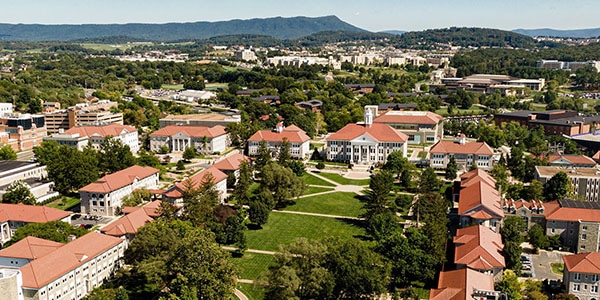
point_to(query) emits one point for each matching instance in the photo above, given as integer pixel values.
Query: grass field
(66, 204)
(313, 180)
(252, 291)
(316, 189)
(172, 87)
(108, 47)
(343, 180)
(283, 228)
(251, 265)
(339, 204)
(473, 110)
(557, 268)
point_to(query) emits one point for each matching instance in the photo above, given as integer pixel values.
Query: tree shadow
(253, 226)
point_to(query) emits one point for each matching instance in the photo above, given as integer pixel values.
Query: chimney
(462, 139)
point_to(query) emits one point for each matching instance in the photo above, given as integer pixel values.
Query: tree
(380, 186)
(283, 155)
(537, 237)
(147, 159)
(258, 213)
(57, 231)
(396, 163)
(189, 153)
(510, 285)
(18, 192)
(451, 169)
(535, 191)
(281, 182)
(512, 256)
(320, 165)
(515, 162)
(263, 155)
(564, 296)
(46, 152)
(244, 181)
(183, 258)
(136, 198)
(429, 181)
(297, 167)
(231, 179)
(7, 153)
(69, 168)
(114, 156)
(559, 187)
(180, 165)
(500, 173)
(199, 202)
(512, 229)
(381, 224)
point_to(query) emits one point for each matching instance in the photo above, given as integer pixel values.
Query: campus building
(33, 175)
(585, 181)
(577, 223)
(82, 114)
(22, 131)
(96, 135)
(299, 141)
(479, 201)
(465, 154)
(175, 193)
(13, 216)
(581, 275)
(420, 126)
(206, 120)
(178, 138)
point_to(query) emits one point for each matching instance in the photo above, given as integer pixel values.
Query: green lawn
(313, 180)
(176, 87)
(252, 291)
(343, 180)
(557, 268)
(339, 204)
(283, 228)
(251, 265)
(316, 189)
(69, 202)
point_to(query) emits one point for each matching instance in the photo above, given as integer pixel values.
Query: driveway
(542, 261)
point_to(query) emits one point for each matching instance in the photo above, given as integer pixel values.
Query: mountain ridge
(568, 33)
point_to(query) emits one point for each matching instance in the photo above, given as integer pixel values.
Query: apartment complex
(22, 131)
(464, 153)
(96, 135)
(465, 284)
(206, 120)
(490, 83)
(32, 174)
(13, 216)
(531, 212)
(43, 269)
(299, 141)
(178, 138)
(577, 223)
(552, 64)
(585, 181)
(365, 143)
(420, 126)
(103, 197)
(581, 275)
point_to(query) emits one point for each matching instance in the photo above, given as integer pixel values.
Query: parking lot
(541, 264)
(89, 221)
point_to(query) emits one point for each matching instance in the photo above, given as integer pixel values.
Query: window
(576, 287)
(594, 277)
(594, 289)
(577, 276)
(583, 236)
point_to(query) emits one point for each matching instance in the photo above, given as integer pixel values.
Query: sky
(372, 15)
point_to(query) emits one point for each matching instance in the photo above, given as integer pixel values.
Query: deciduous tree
(7, 153)
(18, 192)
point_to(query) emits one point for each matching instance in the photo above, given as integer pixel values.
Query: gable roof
(409, 117)
(30, 248)
(64, 259)
(583, 263)
(479, 248)
(480, 201)
(232, 162)
(572, 158)
(557, 211)
(292, 133)
(480, 148)
(119, 179)
(191, 131)
(197, 179)
(459, 284)
(378, 131)
(30, 213)
(128, 224)
(101, 131)
(476, 176)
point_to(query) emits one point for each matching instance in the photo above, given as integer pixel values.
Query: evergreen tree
(429, 181)
(283, 156)
(7, 153)
(241, 191)
(451, 169)
(263, 155)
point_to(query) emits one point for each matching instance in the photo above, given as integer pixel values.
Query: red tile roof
(30, 213)
(573, 159)
(128, 224)
(476, 176)
(583, 263)
(480, 201)
(30, 248)
(151, 208)
(554, 211)
(117, 180)
(478, 247)
(232, 162)
(103, 131)
(409, 117)
(191, 131)
(459, 284)
(292, 133)
(377, 131)
(480, 148)
(177, 190)
(41, 271)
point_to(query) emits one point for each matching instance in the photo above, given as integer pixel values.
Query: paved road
(541, 264)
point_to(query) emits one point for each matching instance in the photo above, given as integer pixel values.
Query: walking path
(357, 189)
(239, 294)
(317, 215)
(229, 248)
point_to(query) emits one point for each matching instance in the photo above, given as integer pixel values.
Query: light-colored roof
(177, 190)
(117, 180)
(30, 213)
(573, 159)
(549, 171)
(409, 117)
(128, 224)
(480, 148)
(459, 284)
(231, 163)
(583, 263)
(207, 117)
(101, 131)
(191, 131)
(30, 248)
(478, 247)
(377, 131)
(41, 271)
(292, 133)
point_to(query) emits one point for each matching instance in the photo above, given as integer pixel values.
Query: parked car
(88, 226)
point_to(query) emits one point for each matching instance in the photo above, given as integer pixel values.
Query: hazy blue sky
(373, 15)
